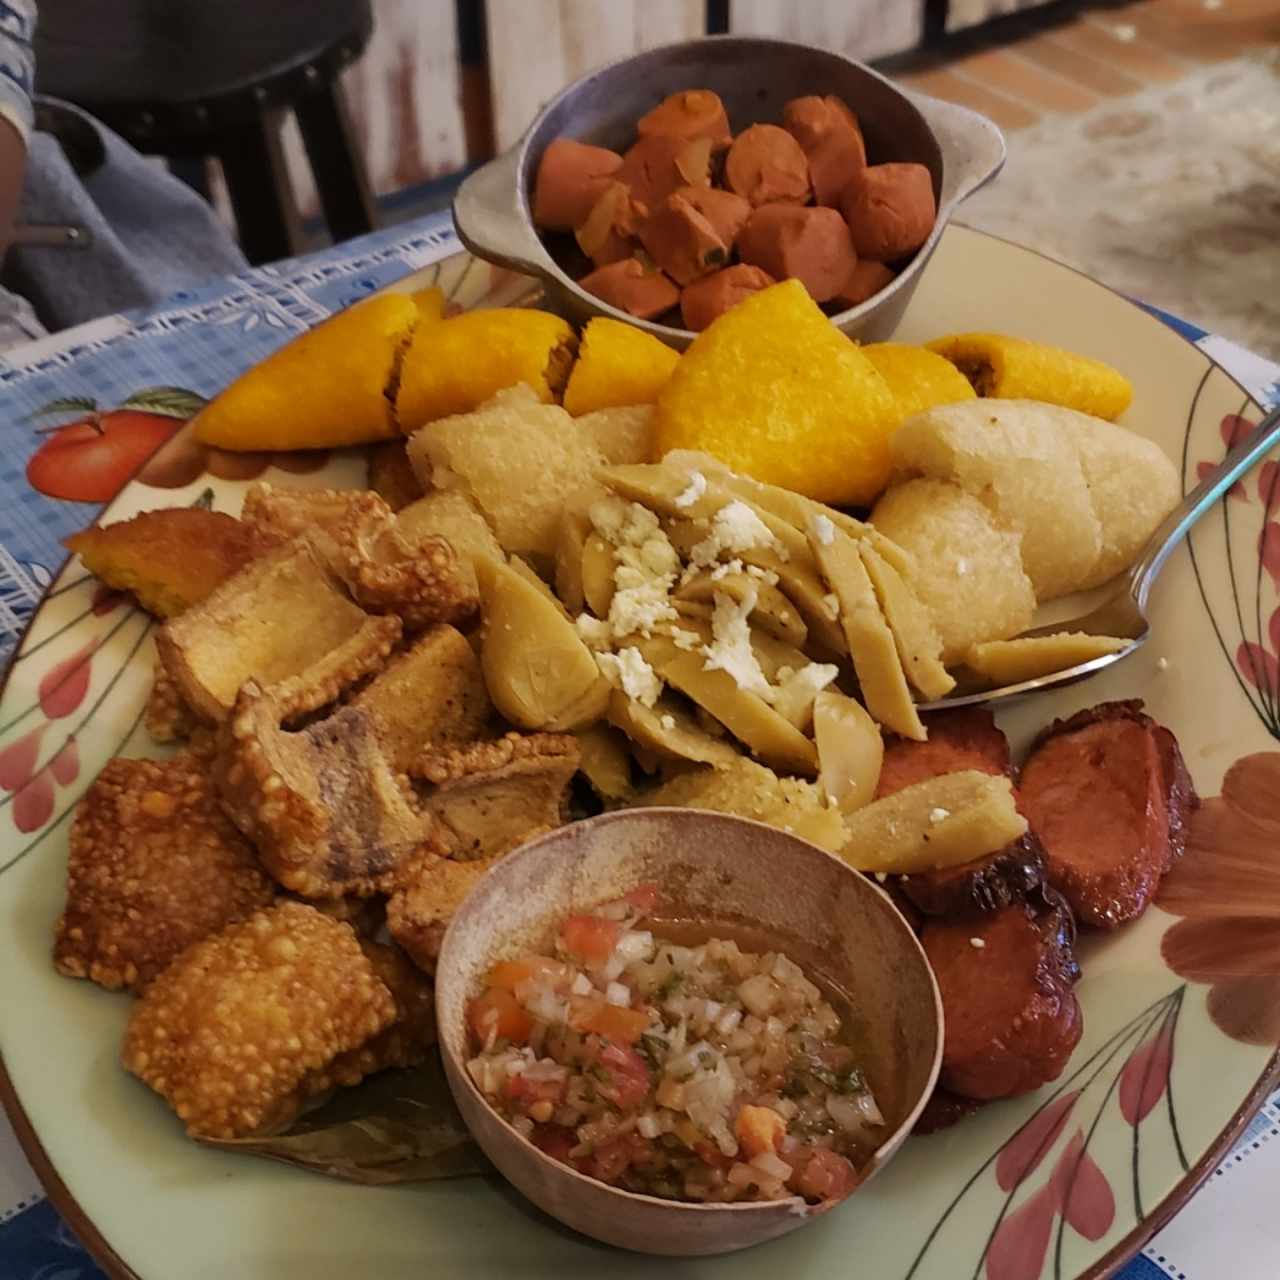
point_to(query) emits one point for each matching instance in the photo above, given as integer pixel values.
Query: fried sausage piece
(865, 281)
(766, 165)
(966, 738)
(1011, 1015)
(1097, 790)
(571, 178)
(682, 241)
(890, 209)
(606, 235)
(811, 244)
(1012, 874)
(713, 295)
(689, 114)
(630, 287)
(829, 136)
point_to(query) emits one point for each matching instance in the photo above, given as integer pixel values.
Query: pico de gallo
(696, 1073)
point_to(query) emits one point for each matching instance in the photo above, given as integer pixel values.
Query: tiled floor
(1108, 52)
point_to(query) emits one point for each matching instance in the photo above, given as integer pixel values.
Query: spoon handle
(1178, 522)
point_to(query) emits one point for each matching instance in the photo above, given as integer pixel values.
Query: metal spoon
(1124, 613)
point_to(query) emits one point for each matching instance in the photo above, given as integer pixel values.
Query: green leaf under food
(398, 1126)
(66, 404)
(172, 402)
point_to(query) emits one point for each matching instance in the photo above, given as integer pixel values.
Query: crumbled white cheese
(882, 876)
(724, 570)
(832, 601)
(593, 632)
(978, 943)
(645, 568)
(685, 639)
(668, 721)
(938, 815)
(627, 670)
(767, 576)
(730, 649)
(795, 691)
(641, 601)
(822, 528)
(697, 487)
(735, 527)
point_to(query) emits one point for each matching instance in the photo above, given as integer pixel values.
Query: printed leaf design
(1233, 428)
(1257, 666)
(1146, 1076)
(171, 402)
(1023, 1152)
(63, 687)
(33, 805)
(65, 766)
(1269, 551)
(1273, 632)
(66, 404)
(399, 1126)
(1085, 1197)
(18, 760)
(1237, 490)
(1018, 1248)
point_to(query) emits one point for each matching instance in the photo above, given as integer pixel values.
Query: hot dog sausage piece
(811, 244)
(656, 166)
(765, 165)
(630, 287)
(890, 210)
(571, 178)
(713, 295)
(865, 281)
(682, 241)
(727, 213)
(607, 233)
(691, 113)
(829, 136)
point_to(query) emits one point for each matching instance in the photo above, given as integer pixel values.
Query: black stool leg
(340, 177)
(253, 164)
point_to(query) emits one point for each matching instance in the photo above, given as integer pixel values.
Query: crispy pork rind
(406, 1041)
(154, 867)
(247, 1026)
(418, 915)
(170, 559)
(491, 796)
(432, 693)
(285, 619)
(167, 717)
(517, 459)
(328, 813)
(420, 581)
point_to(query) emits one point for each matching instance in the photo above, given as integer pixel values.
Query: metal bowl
(755, 78)
(711, 868)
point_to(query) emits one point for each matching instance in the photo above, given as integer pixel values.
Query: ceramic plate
(1182, 1012)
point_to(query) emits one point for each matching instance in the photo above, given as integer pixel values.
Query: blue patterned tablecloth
(200, 340)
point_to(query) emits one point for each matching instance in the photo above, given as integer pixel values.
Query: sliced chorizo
(571, 178)
(808, 243)
(831, 139)
(765, 165)
(713, 295)
(631, 287)
(890, 209)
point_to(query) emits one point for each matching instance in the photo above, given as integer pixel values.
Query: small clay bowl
(833, 922)
(755, 78)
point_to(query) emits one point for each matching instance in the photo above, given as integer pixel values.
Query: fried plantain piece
(491, 796)
(285, 619)
(391, 475)
(247, 1026)
(329, 814)
(154, 867)
(418, 915)
(170, 559)
(432, 693)
(420, 579)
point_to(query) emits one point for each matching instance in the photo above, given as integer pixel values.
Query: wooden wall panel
(536, 47)
(862, 29)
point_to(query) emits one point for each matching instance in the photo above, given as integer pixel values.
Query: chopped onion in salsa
(698, 1073)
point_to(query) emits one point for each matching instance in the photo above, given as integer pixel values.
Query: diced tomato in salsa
(612, 1021)
(823, 1175)
(499, 1010)
(644, 897)
(509, 974)
(591, 938)
(610, 1160)
(623, 1076)
(521, 1089)
(554, 1140)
